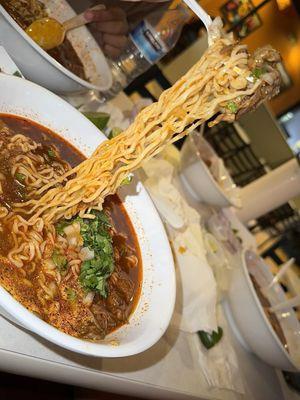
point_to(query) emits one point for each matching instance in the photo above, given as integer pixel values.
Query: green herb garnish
(71, 294)
(100, 119)
(60, 226)
(114, 132)
(17, 73)
(59, 260)
(258, 72)
(95, 233)
(20, 177)
(209, 340)
(51, 153)
(96, 236)
(127, 180)
(232, 107)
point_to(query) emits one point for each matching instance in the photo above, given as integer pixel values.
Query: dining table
(168, 370)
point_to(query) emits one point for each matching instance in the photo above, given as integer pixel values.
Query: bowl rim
(20, 315)
(52, 60)
(261, 310)
(236, 204)
(34, 324)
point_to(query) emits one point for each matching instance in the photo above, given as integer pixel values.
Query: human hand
(110, 29)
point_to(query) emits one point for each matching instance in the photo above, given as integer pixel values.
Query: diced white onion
(72, 233)
(52, 286)
(69, 230)
(49, 264)
(239, 83)
(89, 298)
(250, 78)
(76, 227)
(72, 240)
(86, 254)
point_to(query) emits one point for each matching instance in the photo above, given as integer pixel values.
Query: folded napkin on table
(196, 304)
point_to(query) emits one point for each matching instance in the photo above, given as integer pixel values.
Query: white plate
(40, 67)
(153, 313)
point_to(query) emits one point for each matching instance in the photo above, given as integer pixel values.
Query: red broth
(123, 290)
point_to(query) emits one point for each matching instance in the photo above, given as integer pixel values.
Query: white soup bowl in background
(199, 181)
(249, 319)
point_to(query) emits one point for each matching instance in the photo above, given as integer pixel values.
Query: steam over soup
(84, 275)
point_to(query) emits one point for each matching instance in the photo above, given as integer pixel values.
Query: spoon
(49, 33)
(282, 271)
(293, 302)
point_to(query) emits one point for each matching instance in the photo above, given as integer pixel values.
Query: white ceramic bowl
(251, 324)
(39, 67)
(153, 312)
(199, 181)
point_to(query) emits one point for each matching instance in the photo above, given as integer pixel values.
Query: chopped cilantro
(20, 177)
(258, 72)
(17, 73)
(59, 260)
(96, 236)
(209, 340)
(71, 294)
(127, 180)
(100, 119)
(232, 107)
(51, 153)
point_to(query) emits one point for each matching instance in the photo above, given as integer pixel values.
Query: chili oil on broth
(90, 320)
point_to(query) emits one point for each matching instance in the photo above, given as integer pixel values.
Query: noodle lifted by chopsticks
(225, 80)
